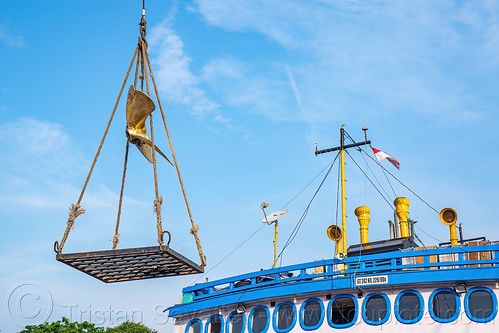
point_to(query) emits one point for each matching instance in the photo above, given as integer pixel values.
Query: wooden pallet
(131, 264)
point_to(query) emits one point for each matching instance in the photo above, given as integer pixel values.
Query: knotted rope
(158, 201)
(71, 221)
(74, 212)
(195, 227)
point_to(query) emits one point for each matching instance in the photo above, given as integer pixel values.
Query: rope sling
(138, 104)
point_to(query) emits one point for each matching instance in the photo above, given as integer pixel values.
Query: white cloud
(180, 85)
(33, 152)
(366, 57)
(176, 81)
(9, 39)
(252, 88)
(223, 67)
(39, 148)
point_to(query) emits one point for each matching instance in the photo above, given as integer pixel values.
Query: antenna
(273, 218)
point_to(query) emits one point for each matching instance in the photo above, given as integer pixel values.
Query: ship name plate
(368, 280)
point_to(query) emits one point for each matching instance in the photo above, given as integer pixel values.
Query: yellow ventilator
(448, 216)
(362, 214)
(335, 233)
(402, 210)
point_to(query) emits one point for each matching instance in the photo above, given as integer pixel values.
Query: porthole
(194, 326)
(259, 320)
(214, 324)
(409, 307)
(342, 311)
(480, 304)
(311, 314)
(444, 305)
(235, 323)
(376, 309)
(284, 318)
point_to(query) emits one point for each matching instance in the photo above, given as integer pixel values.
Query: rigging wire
(247, 239)
(388, 202)
(374, 175)
(382, 169)
(426, 203)
(237, 248)
(348, 135)
(305, 212)
(429, 235)
(415, 235)
(389, 183)
(306, 186)
(360, 149)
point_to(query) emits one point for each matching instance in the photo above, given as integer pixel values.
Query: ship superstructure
(391, 285)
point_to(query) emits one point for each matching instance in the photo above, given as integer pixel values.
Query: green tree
(63, 326)
(130, 327)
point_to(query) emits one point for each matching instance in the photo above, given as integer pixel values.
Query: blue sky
(248, 87)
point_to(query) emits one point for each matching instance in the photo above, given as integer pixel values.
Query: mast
(343, 197)
(342, 147)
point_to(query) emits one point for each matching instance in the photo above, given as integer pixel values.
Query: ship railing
(426, 259)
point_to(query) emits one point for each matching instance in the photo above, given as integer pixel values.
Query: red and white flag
(381, 155)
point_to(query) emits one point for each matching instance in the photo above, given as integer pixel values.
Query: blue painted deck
(279, 281)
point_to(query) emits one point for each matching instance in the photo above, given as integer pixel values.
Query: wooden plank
(419, 260)
(485, 254)
(473, 255)
(434, 257)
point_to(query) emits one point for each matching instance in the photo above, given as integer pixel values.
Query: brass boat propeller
(138, 107)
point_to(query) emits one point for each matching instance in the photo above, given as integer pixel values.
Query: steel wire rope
(438, 240)
(416, 235)
(247, 239)
(374, 175)
(306, 186)
(305, 212)
(388, 202)
(429, 235)
(426, 203)
(302, 218)
(383, 169)
(360, 149)
(384, 173)
(230, 253)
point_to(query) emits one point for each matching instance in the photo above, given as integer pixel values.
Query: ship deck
(401, 267)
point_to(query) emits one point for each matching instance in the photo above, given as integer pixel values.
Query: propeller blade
(138, 107)
(148, 141)
(146, 150)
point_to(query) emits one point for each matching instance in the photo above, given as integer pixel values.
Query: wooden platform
(131, 264)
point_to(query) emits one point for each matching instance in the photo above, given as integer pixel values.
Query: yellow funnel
(402, 210)
(335, 233)
(362, 213)
(448, 216)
